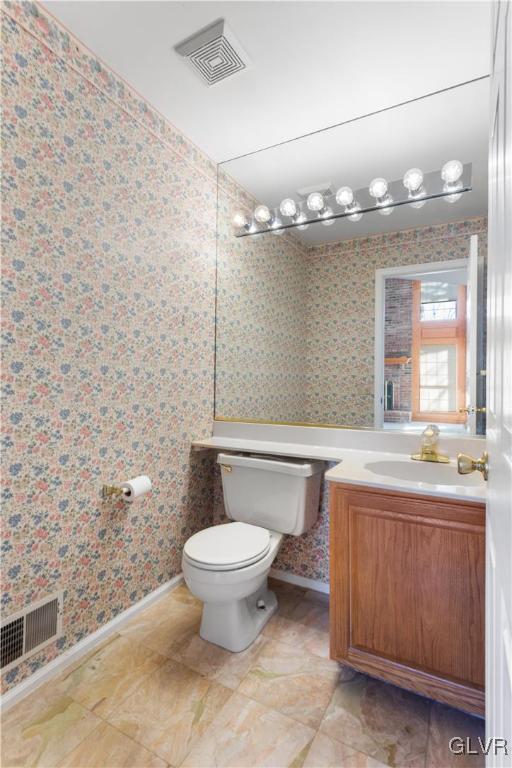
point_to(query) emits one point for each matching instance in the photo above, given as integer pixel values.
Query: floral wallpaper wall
(261, 294)
(295, 325)
(340, 313)
(108, 332)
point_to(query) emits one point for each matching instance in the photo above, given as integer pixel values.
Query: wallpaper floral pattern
(261, 293)
(295, 325)
(108, 333)
(340, 313)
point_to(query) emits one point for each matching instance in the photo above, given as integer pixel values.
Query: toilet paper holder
(111, 491)
(129, 491)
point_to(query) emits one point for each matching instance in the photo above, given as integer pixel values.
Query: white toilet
(226, 566)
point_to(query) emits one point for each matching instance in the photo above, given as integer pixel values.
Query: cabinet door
(407, 585)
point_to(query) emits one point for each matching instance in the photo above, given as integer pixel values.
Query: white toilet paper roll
(136, 487)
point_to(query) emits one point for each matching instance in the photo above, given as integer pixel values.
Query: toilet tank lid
(287, 465)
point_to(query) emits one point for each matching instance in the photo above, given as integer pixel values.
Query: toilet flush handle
(227, 467)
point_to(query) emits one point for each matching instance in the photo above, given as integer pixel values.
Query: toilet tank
(281, 494)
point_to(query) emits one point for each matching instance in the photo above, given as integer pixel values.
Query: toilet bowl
(237, 602)
(226, 566)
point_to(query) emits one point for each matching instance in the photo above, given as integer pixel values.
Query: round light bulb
(451, 171)
(453, 188)
(288, 207)
(453, 198)
(315, 201)
(413, 179)
(275, 227)
(378, 187)
(325, 214)
(300, 218)
(344, 196)
(386, 208)
(356, 216)
(262, 214)
(417, 203)
(239, 220)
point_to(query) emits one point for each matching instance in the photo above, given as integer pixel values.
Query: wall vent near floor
(213, 53)
(29, 630)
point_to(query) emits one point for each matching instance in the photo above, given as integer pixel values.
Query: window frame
(436, 332)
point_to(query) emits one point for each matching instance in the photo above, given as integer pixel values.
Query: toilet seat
(227, 547)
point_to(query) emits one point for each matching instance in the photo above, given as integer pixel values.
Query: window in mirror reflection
(426, 349)
(438, 370)
(438, 356)
(438, 301)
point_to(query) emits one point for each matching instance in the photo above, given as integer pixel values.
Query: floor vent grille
(29, 630)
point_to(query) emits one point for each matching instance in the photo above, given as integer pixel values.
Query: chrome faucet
(428, 450)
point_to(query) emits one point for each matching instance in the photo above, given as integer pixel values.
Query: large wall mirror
(349, 291)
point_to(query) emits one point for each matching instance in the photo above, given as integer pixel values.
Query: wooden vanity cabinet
(407, 591)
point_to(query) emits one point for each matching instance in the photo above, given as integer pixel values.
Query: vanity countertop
(398, 472)
(376, 459)
(272, 447)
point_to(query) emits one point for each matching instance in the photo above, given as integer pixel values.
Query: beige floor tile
(170, 710)
(296, 683)
(446, 723)
(183, 595)
(106, 678)
(216, 663)
(170, 633)
(106, 747)
(329, 753)
(382, 721)
(288, 596)
(163, 609)
(247, 734)
(43, 728)
(300, 636)
(312, 613)
(319, 597)
(85, 658)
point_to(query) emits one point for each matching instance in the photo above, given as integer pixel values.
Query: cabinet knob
(467, 464)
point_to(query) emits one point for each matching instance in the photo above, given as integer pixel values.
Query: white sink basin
(398, 472)
(424, 472)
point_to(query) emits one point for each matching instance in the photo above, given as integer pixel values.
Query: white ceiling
(425, 134)
(313, 63)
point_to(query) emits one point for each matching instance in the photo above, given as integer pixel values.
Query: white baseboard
(56, 666)
(300, 581)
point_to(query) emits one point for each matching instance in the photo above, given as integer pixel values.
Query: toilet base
(235, 624)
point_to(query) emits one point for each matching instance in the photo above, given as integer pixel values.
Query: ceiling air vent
(31, 629)
(214, 53)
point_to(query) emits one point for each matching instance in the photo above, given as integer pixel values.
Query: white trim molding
(300, 581)
(57, 665)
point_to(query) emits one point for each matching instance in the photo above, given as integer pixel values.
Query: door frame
(380, 283)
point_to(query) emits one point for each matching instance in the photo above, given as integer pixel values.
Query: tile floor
(156, 695)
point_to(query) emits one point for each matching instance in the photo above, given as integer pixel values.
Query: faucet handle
(431, 434)
(467, 464)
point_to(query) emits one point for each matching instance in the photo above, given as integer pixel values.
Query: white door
(499, 397)
(472, 335)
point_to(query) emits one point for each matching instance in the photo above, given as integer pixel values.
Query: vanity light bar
(450, 183)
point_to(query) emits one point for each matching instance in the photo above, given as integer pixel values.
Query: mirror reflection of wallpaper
(295, 325)
(340, 312)
(261, 295)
